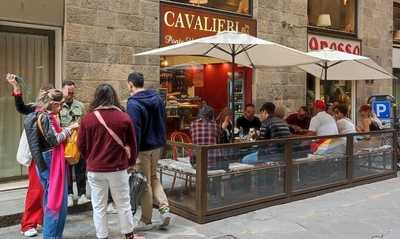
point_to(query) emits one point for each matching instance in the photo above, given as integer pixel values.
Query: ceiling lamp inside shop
(198, 2)
(324, 20)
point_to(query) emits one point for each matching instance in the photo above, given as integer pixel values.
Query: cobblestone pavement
(366, 212)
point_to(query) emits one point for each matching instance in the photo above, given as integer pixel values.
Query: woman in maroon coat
(107, 141)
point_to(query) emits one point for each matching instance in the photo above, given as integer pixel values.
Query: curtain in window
(27, 56)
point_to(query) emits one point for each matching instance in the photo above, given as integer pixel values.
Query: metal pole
(233, 92)
(326, 83)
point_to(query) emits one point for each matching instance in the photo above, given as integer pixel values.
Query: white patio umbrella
(337, 65)
(238, 48)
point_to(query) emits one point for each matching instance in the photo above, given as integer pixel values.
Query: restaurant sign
(179, 24)
(317, 42)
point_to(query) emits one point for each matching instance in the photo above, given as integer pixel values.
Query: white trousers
(118, 182)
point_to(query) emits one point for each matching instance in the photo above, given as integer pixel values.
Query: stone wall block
(97, 4)
(106, 19)
(72, 32)
(104, 35)
(76, 70)
(74, 3)
(99, 53)
(126, 38)
(121, 6)
(130, 22)
(149, 8)
(88, 34)
(81, 15)
(126, 56)
(77, 52)
(151, 24)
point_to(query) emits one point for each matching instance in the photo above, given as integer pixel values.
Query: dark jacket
(41, 142)
(101, 152)
(21, 106)
(147, 111)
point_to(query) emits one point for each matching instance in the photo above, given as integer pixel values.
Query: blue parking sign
(382, 109)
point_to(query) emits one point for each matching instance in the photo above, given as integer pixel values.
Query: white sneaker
(166, 218)
(111, 209)
(70, 200)
(83, 199)
(30, 233)
(141, 226)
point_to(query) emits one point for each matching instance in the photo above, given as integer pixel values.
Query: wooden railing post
(349, 156)
(201, 183)
(395, 147)
(289, 168)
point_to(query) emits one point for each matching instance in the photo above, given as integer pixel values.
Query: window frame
(250, 14)
(333, 32)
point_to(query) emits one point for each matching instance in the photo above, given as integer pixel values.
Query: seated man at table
(322, 123)
(248, 120)
(204, 131)
(299, 121)
(272, 127)
(344, 124)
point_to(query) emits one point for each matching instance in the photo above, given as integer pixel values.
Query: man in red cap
(322, 123)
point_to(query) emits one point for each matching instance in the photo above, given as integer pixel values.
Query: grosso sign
(179, 24)
(317, 42)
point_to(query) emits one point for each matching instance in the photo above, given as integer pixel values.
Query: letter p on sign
(382, 109)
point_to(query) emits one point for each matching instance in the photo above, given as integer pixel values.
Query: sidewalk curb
(14, 219)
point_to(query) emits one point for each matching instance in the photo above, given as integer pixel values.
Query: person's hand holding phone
(12, 80)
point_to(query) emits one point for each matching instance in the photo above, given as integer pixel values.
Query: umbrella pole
(326, 83)
(233, 94)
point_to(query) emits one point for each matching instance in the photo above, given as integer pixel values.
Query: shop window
(396, 22)
(234, 6)
(336, 15)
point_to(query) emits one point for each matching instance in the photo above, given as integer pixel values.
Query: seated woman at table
(344, 124)
(299, 121)
(224, 123)
(369, 122)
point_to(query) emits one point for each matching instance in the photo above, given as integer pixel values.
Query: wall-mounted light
(345, 2)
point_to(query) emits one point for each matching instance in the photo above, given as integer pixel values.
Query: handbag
(113, 134)
(71, 152)
(137, 187)
(24, 156)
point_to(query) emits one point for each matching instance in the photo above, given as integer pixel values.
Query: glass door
(238, 95)
(28, 55)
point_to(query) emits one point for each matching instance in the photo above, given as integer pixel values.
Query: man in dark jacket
(147, 111)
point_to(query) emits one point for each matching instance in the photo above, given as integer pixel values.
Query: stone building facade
(101, 37)
(94, 41)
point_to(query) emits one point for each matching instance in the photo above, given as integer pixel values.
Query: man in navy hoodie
(147, 111)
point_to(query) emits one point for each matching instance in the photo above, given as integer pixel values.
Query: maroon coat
(101, 152)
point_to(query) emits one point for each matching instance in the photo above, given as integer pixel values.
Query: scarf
(57, 171)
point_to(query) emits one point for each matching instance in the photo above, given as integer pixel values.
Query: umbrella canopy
(237, 48)
(344, 66)
(245, 49)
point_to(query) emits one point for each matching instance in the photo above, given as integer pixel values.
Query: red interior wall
(215, 85)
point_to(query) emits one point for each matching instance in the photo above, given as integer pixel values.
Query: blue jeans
(53, 223)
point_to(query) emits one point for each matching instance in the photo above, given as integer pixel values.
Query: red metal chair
(181, 137)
